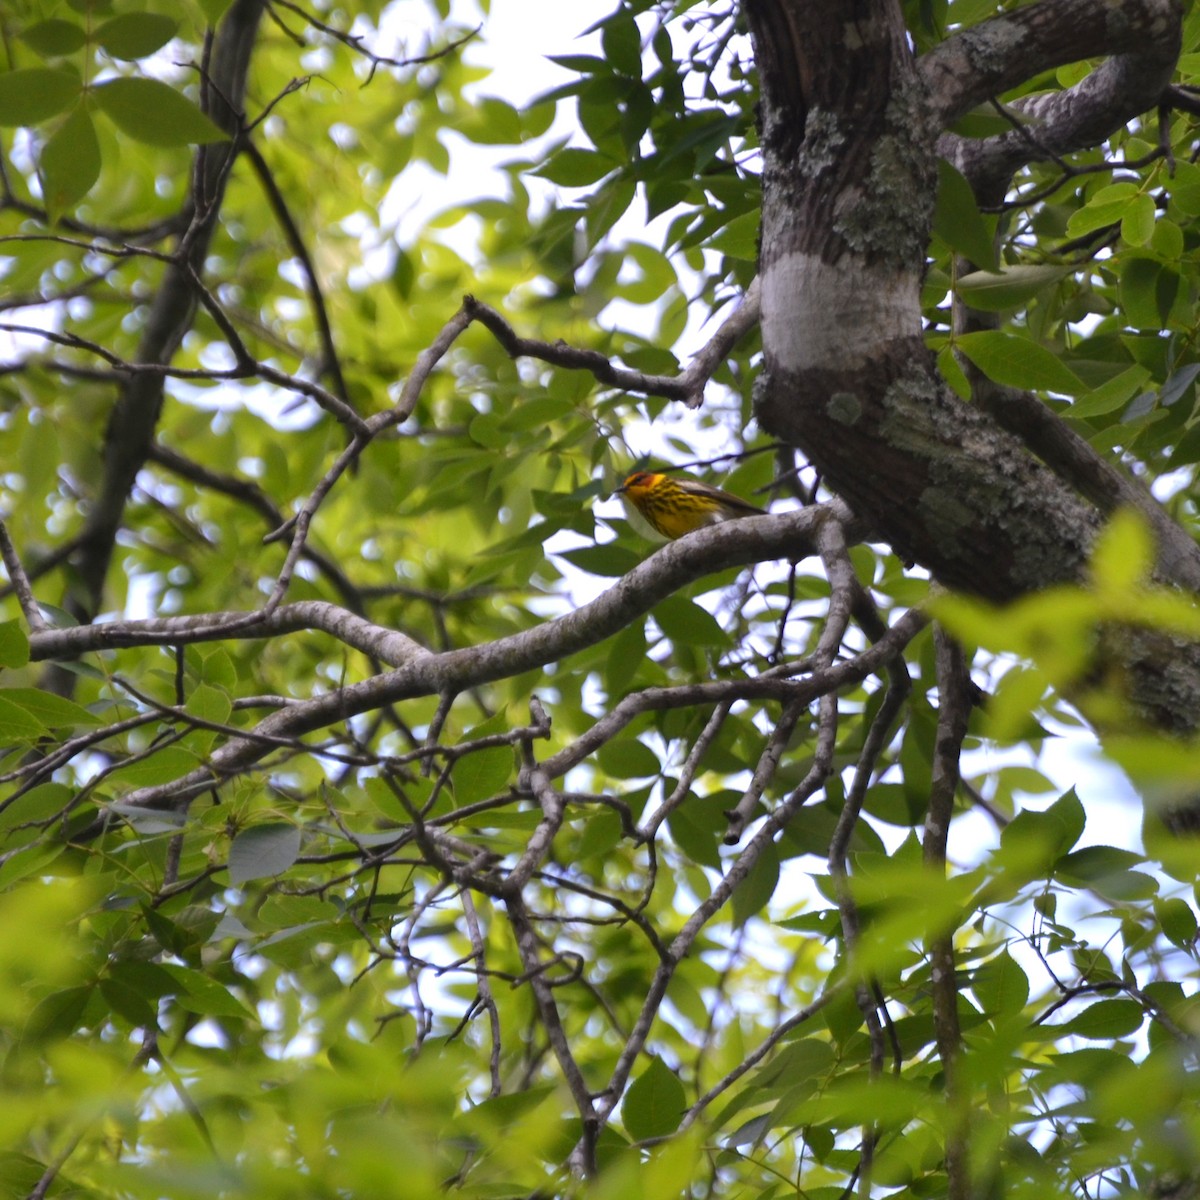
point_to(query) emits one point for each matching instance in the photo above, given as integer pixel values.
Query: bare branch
(330, 360)
(687, 386)
(20, 582)
(695, 757)
(764, 771)
(357, 43)
(551, 1022)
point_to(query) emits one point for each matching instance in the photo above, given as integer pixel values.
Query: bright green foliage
(287, 989)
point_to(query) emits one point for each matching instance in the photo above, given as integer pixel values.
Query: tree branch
(1004, 51)
(1001, 53)
(423, 672)
(955, 698)
(134, 419)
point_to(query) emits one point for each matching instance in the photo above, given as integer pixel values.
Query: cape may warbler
(677, 506)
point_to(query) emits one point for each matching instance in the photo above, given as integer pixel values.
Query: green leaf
(208, 703)
(1103, 210)
(686, 622)
(1000, 985)
(1137, 223)
(52, 711)
(128, 1003)
(149, 111)
(627, 758)
(1123, 555)
(148, 979)
(608, 205)
(482, 774)
(1018, 362)
(174, 939)
(262, 851)
(135, 35)
(1167, 241)
(1011, 288)
(622, 43)
(654, 1105)
(492, 122)
(1056, 830)
(32, 860)
(576, 167)
(981, 123)
(1110, 396)
(1178, 921)
(739, 239)
(57, 1015)
(958, 221)
(54, 37)
(953, 373)
(1139, 292)
(1113, 193)
(1185, 188)
(1165, 292)
(163, 766)
(698, 827)
(1094, 862)
(1106, 869)
(755, 891)
(610, 559)
(601, 834)
(149, 821)
(70, 161)
(657, 275)
(14, 645)
(1105, 1020)
(17, 724)
(625, 658)
(32, 95)
(581, 64)
(40, 803)
(203, 995)
(214, 10)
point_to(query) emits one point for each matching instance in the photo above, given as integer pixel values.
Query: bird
(674, 507)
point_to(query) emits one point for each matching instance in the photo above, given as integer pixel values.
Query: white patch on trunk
(834, 317)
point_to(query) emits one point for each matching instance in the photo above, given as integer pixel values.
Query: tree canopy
(381, 814)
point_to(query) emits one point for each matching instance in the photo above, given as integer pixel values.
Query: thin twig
(20, 581)
(954, 692)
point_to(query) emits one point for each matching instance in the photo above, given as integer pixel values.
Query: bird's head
(639, 483)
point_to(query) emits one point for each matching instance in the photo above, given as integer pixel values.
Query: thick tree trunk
(850, 176)
(851, 123)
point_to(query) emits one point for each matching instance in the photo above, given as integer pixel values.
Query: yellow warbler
(677, 506)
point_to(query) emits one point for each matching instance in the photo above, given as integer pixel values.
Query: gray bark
(851, 124)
